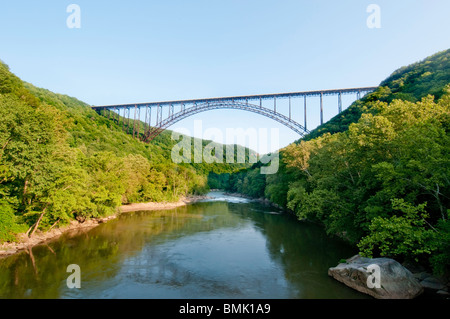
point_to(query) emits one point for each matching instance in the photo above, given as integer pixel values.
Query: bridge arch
(215, 105)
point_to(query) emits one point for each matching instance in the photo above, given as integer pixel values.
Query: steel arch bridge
(187, 108)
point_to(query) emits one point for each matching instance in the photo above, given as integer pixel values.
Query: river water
(224, 247)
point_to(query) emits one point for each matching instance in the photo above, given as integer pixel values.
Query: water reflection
(225, 247)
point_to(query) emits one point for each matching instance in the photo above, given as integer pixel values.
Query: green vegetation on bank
(60, 160)
(378, 174)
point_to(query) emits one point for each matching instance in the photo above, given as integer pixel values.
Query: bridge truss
(181, 109)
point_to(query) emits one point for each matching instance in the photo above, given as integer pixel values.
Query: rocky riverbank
(24, 242)
(395, 281)
(434, 286)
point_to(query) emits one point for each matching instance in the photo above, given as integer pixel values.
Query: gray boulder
(433, 283)
(381, 278)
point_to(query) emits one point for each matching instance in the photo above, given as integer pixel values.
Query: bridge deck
(245, 98)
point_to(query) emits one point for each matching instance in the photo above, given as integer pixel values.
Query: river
(224, 247)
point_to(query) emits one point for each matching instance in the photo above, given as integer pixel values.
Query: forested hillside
(60, 160)
(378, 174)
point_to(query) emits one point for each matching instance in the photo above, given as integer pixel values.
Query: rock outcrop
(381, 278)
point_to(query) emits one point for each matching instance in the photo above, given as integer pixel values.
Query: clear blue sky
(142, 51)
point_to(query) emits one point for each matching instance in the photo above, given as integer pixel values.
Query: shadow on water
(226, 247)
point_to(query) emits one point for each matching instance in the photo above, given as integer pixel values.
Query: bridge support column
(150, 118)
(340, 102)
(289, 108)
(129, 119)
(321, 108)
(146, 119)
(123, 120)
(304, 98)
(134, 120)
(157, 115)
(139, 122)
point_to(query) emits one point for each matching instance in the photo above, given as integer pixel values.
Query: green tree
(402, 235)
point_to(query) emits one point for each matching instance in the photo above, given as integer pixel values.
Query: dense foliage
(378, 174)
(60, 160)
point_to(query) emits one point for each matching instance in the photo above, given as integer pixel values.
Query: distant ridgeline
(60, 160)
(376, 174)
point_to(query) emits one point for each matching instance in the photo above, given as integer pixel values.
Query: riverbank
(160, 205)
(24, 242)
